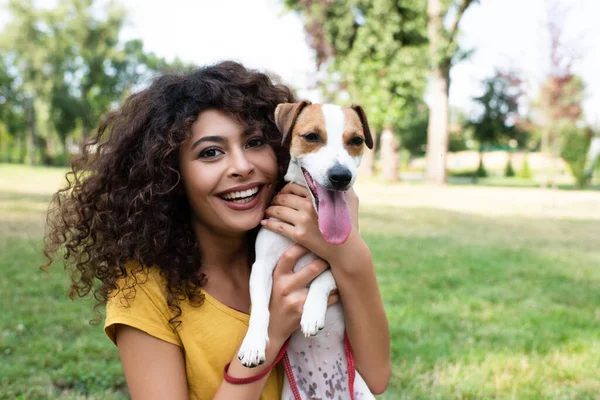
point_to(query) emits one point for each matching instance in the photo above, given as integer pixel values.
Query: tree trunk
(367, 164)
(30, 134)
(437, 129)
(389, 155)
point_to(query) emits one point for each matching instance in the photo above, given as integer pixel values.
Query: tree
(575, 143)
(70, 67)
(444, 17)
(562, 91)
(12, 118)
(497, 123)
(374, 52)
(24, 42)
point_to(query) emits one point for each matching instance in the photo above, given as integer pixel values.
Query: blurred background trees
(372, 53)
(62, 67)
(498, 123)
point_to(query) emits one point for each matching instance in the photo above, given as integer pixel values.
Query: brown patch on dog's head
(303, 126)
(309, 133)
(362, 116)
(286, 115)
(354, 128)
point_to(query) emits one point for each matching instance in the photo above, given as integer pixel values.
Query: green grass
(500, 181)
(493, 303)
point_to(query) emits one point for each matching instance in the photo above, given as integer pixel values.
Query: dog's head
(326, 142)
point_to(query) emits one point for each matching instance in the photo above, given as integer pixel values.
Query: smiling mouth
(243, 196)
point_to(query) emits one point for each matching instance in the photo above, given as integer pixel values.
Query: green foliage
(62, 67)
(468, 173)
(414, 136)
(481, 172)
(496, 124)
(562, 96)
(375, 54)
(574, 148)
(509, 171)
(525, 172)
(457, 141)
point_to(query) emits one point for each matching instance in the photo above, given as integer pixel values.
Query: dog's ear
(363, 119)
(285, 118)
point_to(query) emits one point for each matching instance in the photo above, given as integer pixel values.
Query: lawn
(490, 293)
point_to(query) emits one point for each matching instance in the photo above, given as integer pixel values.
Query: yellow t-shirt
(209, 334)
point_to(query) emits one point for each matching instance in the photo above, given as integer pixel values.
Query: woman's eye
(210, 153)
(356, 141)
(255, 142)
(311, 137)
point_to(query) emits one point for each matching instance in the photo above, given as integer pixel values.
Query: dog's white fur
(319, 360)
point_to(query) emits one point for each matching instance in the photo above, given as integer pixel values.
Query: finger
(285, 214)
(333, 299)
(291, 200)
(306, 275)
(280, 227)
(296, 189)
(289, 258)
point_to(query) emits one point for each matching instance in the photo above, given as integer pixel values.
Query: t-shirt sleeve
(145, 309)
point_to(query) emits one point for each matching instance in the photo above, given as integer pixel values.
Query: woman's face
(229, 174)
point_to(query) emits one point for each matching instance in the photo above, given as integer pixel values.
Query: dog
(326, 143)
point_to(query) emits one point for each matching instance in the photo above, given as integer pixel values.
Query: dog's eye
(356, 141)
(311, 137)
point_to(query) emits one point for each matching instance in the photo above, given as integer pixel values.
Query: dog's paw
(313, 316)
(252, 352)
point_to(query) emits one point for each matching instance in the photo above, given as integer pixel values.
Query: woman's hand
(290, 291)
(293, 206)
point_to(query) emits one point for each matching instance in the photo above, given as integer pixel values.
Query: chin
(245, 225)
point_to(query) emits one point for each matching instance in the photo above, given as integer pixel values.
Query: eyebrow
(220, 139)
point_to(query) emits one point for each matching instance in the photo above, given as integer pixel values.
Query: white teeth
(240, 195)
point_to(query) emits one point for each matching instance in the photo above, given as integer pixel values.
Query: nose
(240, 164)
(339, 176)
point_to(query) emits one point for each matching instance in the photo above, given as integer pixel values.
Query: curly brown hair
(123, 202)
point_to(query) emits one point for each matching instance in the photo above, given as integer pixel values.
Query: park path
(489, 201)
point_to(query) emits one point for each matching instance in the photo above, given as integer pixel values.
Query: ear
(285, 118)
(363, 119)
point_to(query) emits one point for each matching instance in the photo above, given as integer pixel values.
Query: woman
(159, 220)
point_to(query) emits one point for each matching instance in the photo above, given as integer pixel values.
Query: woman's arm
(352, 266)
(364, 316)
(285, 310)
(154, 369)
(249, 391)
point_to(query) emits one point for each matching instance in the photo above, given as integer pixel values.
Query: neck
(221, 252)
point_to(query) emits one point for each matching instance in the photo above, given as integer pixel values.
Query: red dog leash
(351, 370)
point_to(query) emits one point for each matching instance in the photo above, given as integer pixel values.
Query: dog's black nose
(339, 176)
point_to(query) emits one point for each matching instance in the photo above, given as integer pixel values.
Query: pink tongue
(334, 218)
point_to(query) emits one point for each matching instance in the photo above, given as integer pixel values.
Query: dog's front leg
(315, 306)
(252, 352)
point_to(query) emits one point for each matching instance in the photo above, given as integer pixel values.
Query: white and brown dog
(326, 144)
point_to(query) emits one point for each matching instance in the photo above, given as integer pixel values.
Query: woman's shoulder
(140, 300)
(136, 278)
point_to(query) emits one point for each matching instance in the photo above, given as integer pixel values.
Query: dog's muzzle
(339, 177)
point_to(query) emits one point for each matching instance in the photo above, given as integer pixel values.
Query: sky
(503, 33)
